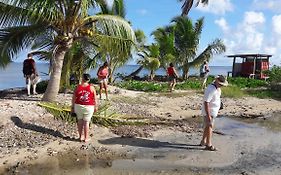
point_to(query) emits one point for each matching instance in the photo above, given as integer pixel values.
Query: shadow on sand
(145, 143)
(19, 123)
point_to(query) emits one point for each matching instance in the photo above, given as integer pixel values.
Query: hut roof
(250, 55)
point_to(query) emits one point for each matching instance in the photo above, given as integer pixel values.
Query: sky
(245, 26)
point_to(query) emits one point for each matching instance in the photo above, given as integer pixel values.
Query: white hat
(222, 80)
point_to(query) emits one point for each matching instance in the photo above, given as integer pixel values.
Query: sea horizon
(12, 76)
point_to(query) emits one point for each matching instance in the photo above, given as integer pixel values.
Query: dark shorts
(172, 77)
(204, 75)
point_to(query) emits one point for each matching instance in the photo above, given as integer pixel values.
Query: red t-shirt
(84, 95)
(170, 71)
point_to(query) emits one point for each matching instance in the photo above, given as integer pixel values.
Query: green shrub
(42, 86)
(189, 84)
(246, 82)
(143, 86)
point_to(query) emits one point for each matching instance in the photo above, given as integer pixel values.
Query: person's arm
(34, 68)
(73, 101)
(175, 72)
(95, 98)
(208, 114)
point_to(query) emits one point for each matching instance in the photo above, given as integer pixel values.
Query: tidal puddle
(176, 158)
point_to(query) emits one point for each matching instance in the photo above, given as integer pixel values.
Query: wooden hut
(250, 65)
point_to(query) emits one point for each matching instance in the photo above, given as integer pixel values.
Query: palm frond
(216, 47)
(103, 116)
(14, 39)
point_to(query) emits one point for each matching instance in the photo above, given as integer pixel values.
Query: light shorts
(32, 79)
(206, 122)
(84, 112)
(103, 80)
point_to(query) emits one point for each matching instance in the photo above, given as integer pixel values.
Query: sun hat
(222, 80)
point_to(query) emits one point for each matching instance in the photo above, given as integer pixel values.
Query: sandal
(202, 143)
(210, 148)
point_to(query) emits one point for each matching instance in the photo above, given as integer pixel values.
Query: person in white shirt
(204, 73)
(210, 109)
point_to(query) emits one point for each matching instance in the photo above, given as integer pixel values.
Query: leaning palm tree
(187, 5)
(24, 21)
(187, 37)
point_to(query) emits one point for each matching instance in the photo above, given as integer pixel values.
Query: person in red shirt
(102, 77)
(30, 74)
(84, 104)
(172, 76)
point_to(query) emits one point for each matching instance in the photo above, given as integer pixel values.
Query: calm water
(12, 75)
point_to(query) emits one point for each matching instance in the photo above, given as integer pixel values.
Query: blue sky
(245, 26)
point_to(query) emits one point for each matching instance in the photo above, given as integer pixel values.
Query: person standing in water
(210, 108)
(102, 77)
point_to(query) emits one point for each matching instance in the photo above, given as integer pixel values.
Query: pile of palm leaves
(103, 116)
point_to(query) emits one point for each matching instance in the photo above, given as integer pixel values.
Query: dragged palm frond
(103, 116)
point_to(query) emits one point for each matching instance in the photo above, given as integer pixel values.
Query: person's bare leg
(28, 85)
(80, 128)
(174, 84)
(105, 89)
(86, 130)
(209, 136)
(34, 89)
(100, 90)
(204, 137)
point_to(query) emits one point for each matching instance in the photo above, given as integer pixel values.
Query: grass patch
(232, 92)
(264, 93)
(131, 100)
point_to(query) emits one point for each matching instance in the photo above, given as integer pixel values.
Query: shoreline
(39, 135)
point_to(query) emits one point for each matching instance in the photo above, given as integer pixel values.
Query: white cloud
(276, 24)
(142, 11)
(222, 24)
(252, 36)
(272, 5)
(216, 6)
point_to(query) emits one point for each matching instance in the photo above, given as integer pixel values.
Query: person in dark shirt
(30, 74)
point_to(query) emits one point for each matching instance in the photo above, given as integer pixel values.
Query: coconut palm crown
(23, 24)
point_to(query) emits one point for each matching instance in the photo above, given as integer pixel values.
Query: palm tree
(23, 22)
(187, 5)
(164, 37)
(150, 59)
(187, 37)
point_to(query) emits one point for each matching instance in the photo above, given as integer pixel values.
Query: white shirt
(212, 96)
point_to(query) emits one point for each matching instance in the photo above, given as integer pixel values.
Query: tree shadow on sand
(145, 143)
(19, 123)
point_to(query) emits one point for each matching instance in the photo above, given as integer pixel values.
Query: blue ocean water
(12, 75)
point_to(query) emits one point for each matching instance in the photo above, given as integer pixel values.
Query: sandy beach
(29, 134)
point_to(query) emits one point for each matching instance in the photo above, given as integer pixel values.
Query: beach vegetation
(181, 39)
(104, 116)
(24, 23)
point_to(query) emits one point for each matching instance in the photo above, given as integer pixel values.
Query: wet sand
(30, 135)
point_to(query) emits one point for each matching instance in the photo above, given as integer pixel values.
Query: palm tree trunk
(151, 75)
(185, 73)
(54, 83)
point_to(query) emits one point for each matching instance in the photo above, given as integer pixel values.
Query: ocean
(12, 76)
